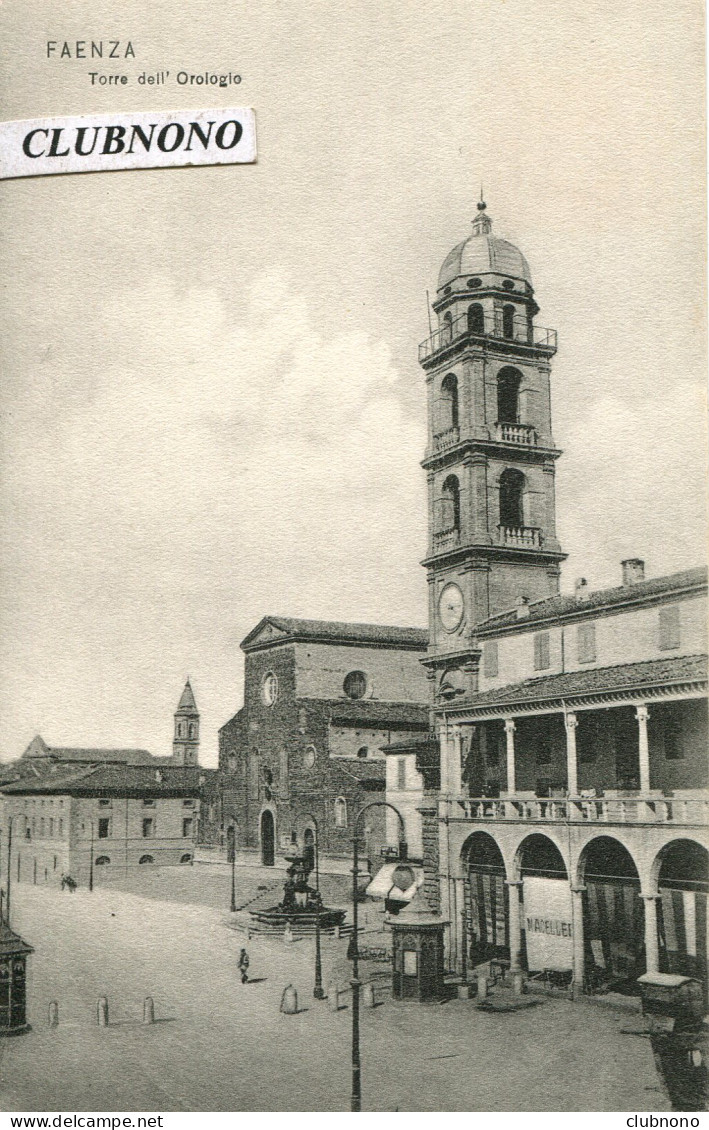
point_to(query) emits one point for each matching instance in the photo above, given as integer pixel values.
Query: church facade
(565, 832)
(305, 753)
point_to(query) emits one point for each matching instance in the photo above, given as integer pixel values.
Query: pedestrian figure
(244, 966)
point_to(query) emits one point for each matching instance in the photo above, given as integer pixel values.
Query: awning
(396, 880)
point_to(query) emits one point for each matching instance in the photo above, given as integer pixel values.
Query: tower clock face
(451, 607)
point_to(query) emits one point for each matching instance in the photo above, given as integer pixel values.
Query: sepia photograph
(353, 481)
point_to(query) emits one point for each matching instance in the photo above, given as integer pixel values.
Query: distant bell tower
(490, 457)
(185, 744)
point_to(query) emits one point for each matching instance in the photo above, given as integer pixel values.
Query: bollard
(518, 986)
(482, 985)
(102, 1012)
(53, 1014)
(368, 994)
(289, 1001)
(332, 997)
(148, 1011)
(464, 991)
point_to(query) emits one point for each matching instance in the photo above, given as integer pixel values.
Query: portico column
(652, 949)
(455, 785)
(510, 736)
(577, 939)
(572, 786)
(515, 928)
(642, 715)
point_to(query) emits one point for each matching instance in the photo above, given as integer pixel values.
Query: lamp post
(356, 1101)
(9, 870)
(231, 858)
(318, 991)
(91, 860)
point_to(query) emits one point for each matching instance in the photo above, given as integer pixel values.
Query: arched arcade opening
(486, 909)
(683, 885)
(613, 917)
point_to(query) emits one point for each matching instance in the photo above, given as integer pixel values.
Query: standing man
(244, 966)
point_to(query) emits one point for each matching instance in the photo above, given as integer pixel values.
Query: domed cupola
(483, 260)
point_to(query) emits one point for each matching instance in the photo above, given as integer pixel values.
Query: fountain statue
(301, 904)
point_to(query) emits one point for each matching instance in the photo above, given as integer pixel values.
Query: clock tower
(490, 456)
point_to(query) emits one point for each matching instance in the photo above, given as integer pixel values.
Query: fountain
(300, 902)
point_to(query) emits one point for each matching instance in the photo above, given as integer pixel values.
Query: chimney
(633, 571)
(522, 607)
(581, 588)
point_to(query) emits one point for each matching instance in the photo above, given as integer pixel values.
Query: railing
(449, 438)
(608, 810)
(521, 331)
(517, 433)
(525, 537)
(446, 539)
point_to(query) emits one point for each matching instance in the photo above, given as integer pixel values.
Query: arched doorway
(547, 920)
(683, 885)
(613, 917)
(486, 915)
(268, 838)
(309, 848)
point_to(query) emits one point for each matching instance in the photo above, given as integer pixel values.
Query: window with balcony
(541, 651)
(449, 508)
(490, 659)
(508, 382)
(103, 828)
(449, 403)
(588, 737)
(508, 321)
(476, 319)
(586, 643)
(512, 499)
(669, 627)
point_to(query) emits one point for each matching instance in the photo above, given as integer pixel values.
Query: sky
(211, 403)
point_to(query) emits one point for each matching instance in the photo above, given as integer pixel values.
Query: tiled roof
(626, 676)
(112, 780)
(129, 756)
(417, 744)
(335, 631)
(389, 715)
(557, 607)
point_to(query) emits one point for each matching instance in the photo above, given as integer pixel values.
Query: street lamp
(231, 858)
(356, 1103)
(14, 816)
(91, 860)
(318, 991)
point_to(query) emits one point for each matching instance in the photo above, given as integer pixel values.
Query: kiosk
(13, 991)
(417, 952)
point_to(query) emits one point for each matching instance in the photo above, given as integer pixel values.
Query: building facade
(572, 810)
(113, 816)
(305, 752)
(138, 809)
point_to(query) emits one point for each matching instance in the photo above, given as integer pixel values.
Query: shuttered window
(669, 627)
(490, 659)
(401, 773)
(541, 651)
(586, 643)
